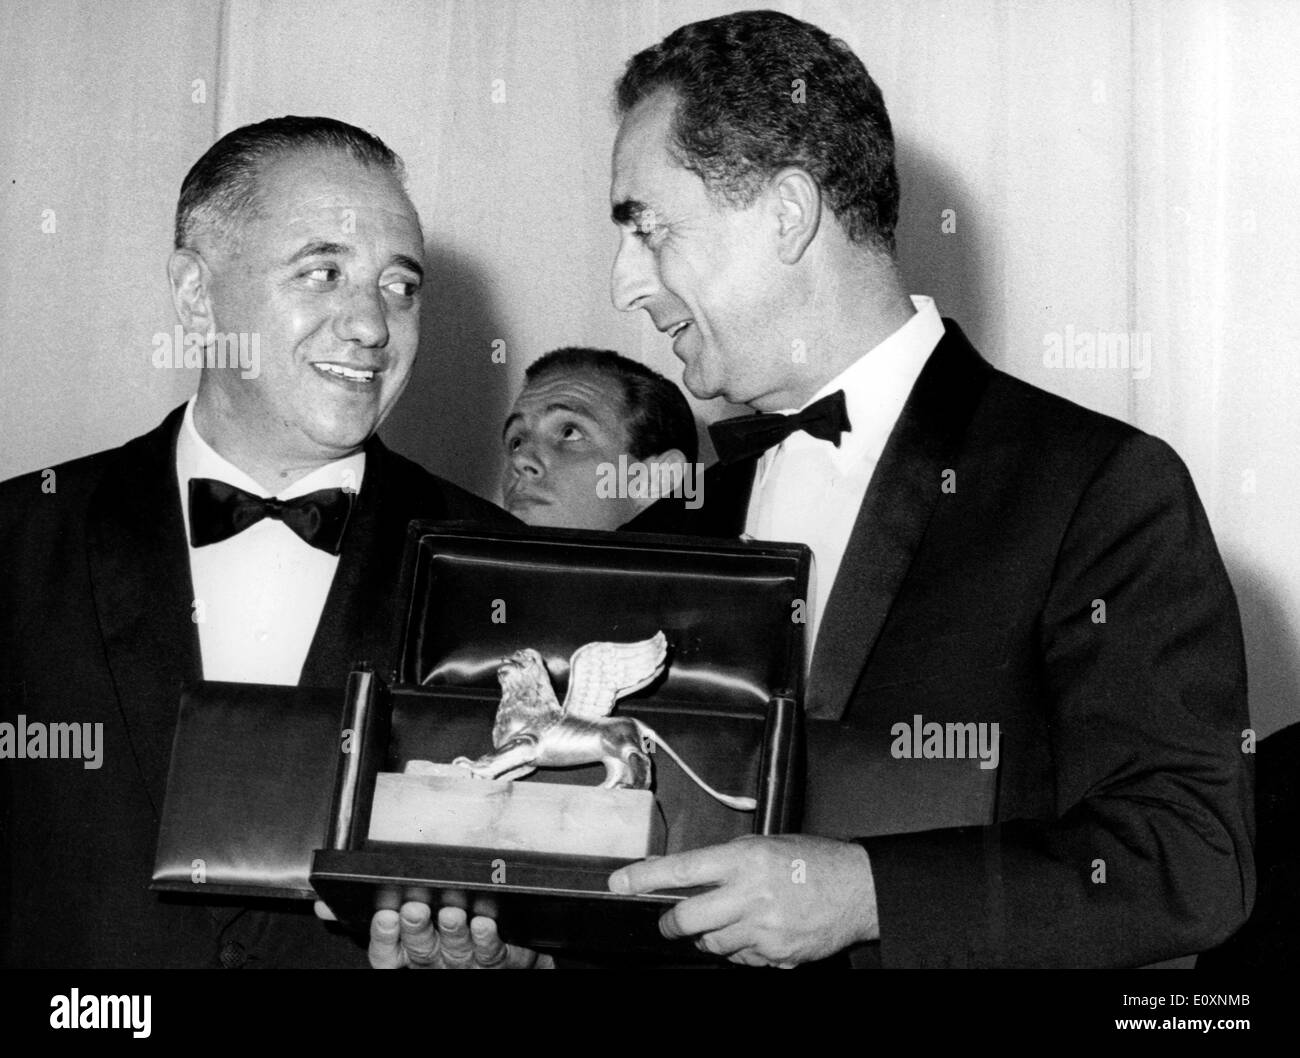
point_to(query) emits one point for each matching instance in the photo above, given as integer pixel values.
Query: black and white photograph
(651, 485)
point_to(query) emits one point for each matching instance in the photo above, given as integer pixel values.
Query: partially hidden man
(985, 553)
(582, 418)
(256, 535)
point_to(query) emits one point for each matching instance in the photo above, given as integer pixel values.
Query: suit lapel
(140, 580)
(726, 496)
(893, 518)
(354, 624)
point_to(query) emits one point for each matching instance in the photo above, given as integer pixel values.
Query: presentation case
(271, 789)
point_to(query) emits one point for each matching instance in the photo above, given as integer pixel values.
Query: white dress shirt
(808, 491)
(258, 595)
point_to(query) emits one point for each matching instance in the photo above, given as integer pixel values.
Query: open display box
(270, 790)
(729, 702)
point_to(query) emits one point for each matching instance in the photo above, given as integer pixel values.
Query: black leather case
(728, 702)
(262, 778)
(269, 789)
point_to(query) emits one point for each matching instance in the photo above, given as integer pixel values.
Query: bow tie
(752, 435)
(218, 511)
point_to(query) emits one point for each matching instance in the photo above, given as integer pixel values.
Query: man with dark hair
(256, 535)
(221, 193)
(831, 119)
(593, 439)
(987, 557)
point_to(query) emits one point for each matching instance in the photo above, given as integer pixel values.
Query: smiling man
(593, 439)
(985, 555)
(256, 535)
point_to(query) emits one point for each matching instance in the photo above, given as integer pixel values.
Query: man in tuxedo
(990, 561)
(256, 535)
(593, 439)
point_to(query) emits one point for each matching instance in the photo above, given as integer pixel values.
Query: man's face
(563, 427)
(327, 274)
(688, 262)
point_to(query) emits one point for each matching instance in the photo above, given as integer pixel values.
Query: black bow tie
(752, 435)
(218, 511)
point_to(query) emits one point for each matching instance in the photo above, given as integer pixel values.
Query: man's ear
(668, 476)
(191, 280)
(798, 211)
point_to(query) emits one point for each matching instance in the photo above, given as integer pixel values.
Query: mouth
(352, 377)
(677, 332)
(674, 329)
(524, 499)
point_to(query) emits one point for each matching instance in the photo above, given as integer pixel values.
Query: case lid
(732, 612)
(249, 789)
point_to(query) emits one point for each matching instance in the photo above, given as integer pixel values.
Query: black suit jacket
(1120, 728)
(95, 626)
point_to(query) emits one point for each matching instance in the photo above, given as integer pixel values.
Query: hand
(779, 900)
(410, 939)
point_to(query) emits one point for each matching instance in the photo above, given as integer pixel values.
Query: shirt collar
(195, 458)
(876, 387)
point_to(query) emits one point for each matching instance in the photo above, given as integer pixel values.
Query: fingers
(490, 951)
(411, 939)
(417, 938)
(705, 866)
(727, 942)
(736, 945)
(714, 910)
(749, 957)
(323, 912)
(385, 952)
(453, 938)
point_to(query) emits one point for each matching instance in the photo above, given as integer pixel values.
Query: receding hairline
(224, 222)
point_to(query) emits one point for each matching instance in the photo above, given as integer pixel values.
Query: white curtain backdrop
(1080, 174)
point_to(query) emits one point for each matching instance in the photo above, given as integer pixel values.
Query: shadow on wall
(941, 249)
(449, 419)
(1272, 648)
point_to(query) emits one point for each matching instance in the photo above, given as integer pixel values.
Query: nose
(363, 319)
(635, 278)
(525, 462)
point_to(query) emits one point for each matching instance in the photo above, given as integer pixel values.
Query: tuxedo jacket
(95, 627)
(1020, 560)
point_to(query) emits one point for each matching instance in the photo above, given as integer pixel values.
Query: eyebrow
(571, 409)
(409, 263)
(338, 249)
(629, 211)
(322, 249)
